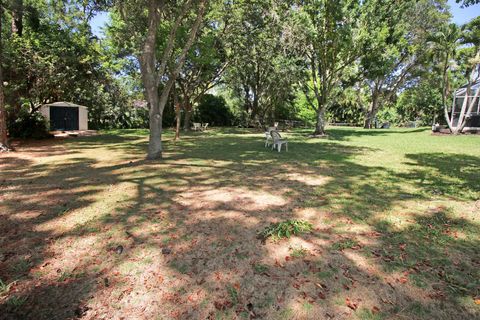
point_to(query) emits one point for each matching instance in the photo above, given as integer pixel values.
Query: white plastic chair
(278, 141)
(197, 126)
(268, 139)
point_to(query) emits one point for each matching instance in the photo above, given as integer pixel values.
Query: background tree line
(244, 62)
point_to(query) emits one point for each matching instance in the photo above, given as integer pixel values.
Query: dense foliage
(49, 55)
(349, 61)
(28, 125)
(214, 110)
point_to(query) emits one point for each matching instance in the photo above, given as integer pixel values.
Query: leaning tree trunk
(462, 121)
(3, 114)
(444, 93)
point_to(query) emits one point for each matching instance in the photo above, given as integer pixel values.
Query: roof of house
(474, 87)
(64, 104)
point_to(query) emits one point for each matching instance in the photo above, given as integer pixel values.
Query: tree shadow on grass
(437, 253)
(453, 175)
(38, 199)
(41, 147)
(346, 134)
(206, 202)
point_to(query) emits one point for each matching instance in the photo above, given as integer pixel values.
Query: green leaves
(286, 229)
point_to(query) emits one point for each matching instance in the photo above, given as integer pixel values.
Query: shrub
(214, 110)
(28, 125)
(121, 116)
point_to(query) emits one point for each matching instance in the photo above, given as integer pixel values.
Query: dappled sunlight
(315, 215)
(361, 262)
(308, 179)
(179, 238)
(227, 197)
(70, 218)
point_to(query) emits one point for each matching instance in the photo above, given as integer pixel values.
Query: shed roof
(64, 104)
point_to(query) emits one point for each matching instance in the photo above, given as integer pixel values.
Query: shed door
(64, 118)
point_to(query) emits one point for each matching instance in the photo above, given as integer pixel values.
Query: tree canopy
(316, 61)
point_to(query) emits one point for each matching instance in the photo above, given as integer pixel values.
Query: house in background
(65, 116)
(473, 117)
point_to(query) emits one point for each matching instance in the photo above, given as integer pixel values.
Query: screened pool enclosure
(472, 118)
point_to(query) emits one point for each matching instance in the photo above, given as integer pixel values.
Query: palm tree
(444, 44)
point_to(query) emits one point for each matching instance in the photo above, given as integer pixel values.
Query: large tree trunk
(155, 138)
(155, 121)
(368, 123)
(321, 122)
(151, 76)
(151, 82)
(371, 113)
(3, 114)
(321, 110)
(152, 71)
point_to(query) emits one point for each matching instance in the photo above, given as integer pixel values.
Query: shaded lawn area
(395, 214)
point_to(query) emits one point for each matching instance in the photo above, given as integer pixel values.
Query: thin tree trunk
(255, 106)
(464, 111)
(447, 117)
(176, 105)
(461, 125)
(444, 93)
(3, 114)
(188, 115)
(179, 120)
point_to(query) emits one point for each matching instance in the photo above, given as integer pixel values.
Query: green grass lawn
(395, 217)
